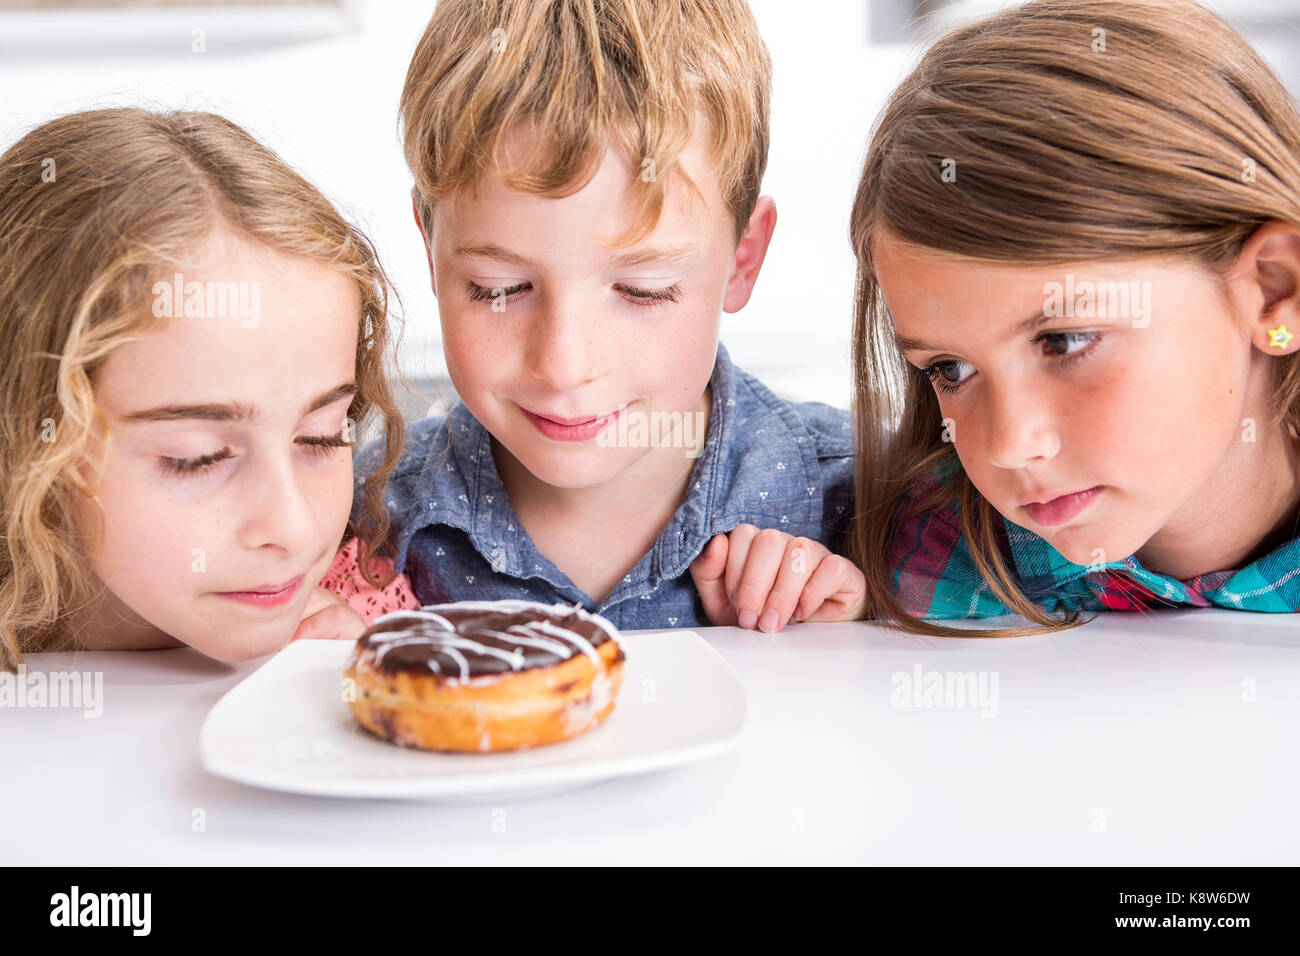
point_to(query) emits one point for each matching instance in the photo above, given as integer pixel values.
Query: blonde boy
(587, 182)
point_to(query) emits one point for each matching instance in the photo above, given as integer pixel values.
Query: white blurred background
(319, 84)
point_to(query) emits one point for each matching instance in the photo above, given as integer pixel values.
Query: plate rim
(492, 782)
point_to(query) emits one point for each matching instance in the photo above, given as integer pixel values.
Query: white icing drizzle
(447, 641)
(458, 657)
(555, 647)
(399, 639)
(578, 639)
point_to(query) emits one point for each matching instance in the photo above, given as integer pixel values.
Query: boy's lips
(571, 428)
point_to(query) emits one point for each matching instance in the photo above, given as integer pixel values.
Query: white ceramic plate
(286, 727)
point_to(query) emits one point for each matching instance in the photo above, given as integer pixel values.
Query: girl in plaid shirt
(1078, 236)
(1077, 320)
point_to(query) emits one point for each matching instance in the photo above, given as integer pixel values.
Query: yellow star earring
(1280, 337)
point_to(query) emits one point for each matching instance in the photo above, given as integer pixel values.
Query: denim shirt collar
(458, 485)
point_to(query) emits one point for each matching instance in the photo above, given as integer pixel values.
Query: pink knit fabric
(344, 579)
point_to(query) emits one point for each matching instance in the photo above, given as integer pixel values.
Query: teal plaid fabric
(934, 575)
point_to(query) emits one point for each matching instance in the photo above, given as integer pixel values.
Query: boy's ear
(424, 236)
(750, 252)
(1268, 269)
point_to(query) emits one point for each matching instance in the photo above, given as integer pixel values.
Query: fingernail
(746, 618)
(768, 623)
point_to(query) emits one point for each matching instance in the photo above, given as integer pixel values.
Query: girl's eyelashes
(1056, 345)
(315, 444)
(1068, 356)
(636, 295)
(189, 466)
(324, 444)
(937, 375)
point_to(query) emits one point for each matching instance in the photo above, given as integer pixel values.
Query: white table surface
(1134, 740)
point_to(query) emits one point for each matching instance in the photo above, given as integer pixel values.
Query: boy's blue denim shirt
(766, 462)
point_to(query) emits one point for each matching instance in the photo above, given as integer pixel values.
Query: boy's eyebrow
(665, 255)
(636, 257)
(234, 411)
(490, 250)
(1024, 328)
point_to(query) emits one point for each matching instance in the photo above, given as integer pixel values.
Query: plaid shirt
(935, 576)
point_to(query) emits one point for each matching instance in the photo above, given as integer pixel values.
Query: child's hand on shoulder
(329, 618)
(763, 579)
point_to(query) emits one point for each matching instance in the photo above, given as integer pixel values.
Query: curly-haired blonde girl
(131, 518)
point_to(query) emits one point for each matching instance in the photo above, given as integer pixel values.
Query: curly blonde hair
(94, 206)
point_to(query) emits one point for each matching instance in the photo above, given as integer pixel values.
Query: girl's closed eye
(1065, 348)
(321, 444)
(315, 445)
(187, 466)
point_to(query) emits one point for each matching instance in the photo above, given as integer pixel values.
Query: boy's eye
(480, 293)
(647, 297)
(316, 445)
(638, 295)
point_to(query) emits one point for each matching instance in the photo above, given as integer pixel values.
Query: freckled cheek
(333, 496)
(153, 540)
(674, 359)
(477, 352)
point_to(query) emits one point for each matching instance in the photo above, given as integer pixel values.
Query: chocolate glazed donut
(485, 675)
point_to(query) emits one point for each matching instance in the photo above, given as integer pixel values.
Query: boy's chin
(587, 467)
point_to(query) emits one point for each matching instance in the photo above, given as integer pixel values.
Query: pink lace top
(344, 579)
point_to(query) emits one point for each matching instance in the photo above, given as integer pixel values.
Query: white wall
(325, 97)
(328, 105)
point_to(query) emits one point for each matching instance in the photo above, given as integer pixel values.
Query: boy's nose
(1020, 428)
(565, 348)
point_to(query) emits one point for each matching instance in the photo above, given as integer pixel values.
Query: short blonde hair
(93, 207)
(586, 73)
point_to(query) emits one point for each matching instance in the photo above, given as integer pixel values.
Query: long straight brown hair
(94, 206)
(1082, 130)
